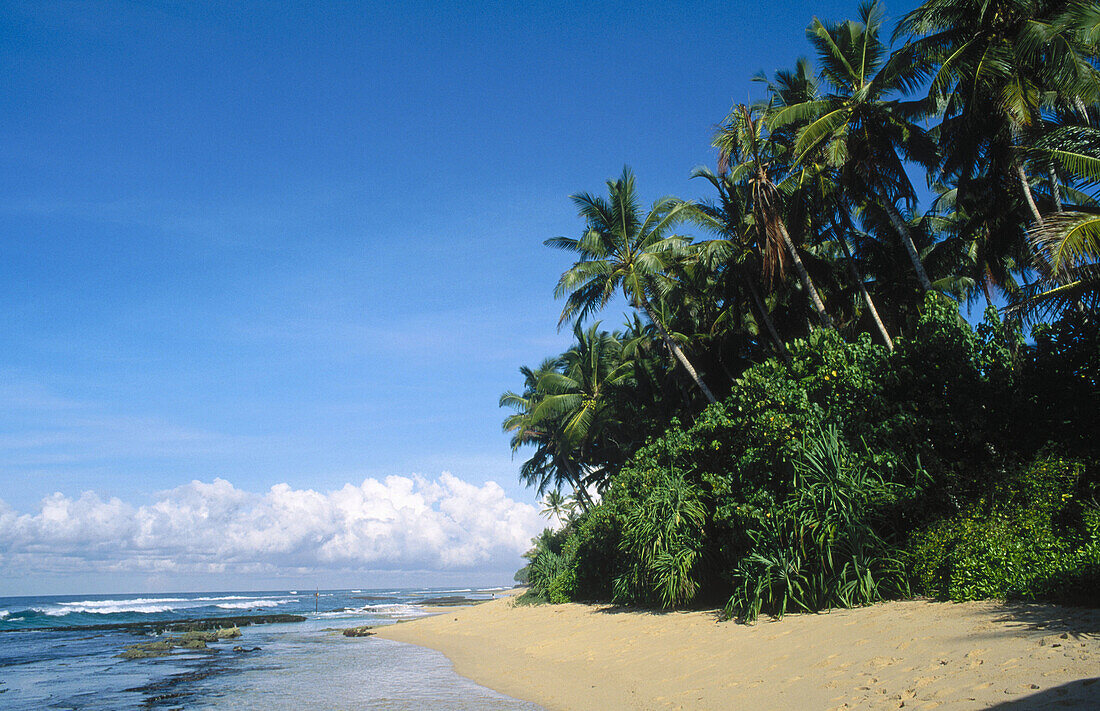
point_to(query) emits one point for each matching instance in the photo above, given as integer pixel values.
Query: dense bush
(1037, 536)
(819, 548)
(662, 542)
(959, 465)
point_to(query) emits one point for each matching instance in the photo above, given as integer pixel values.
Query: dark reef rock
(181, 625)
(446, 601)
(363, 631)
(194, 640)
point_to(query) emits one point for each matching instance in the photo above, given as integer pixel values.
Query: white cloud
(399, 523)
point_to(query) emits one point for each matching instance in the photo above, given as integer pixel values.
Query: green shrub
(593, 547)
(546, 561)
(818, 549)
(662, 542)
(1037, 536)
(800, 488)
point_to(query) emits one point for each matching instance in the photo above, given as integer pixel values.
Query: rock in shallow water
(363, 631)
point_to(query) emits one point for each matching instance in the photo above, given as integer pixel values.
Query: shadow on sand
(1080, 694)
(1076, 622)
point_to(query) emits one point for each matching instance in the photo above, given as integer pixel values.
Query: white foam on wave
(72, 608)
(337, 613)
(396, 610)
(252, 603)
(149, 605)
(4, 614)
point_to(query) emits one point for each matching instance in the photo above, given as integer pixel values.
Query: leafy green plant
(818, 549)
(1037, 536)
(662, 539)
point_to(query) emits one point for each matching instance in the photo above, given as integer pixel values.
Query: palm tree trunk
(1055, 192)
(858, 278)
(985, 288)
(766, 317)
(679, 354)
(804, 276)
(907, 241)
(1025, 186)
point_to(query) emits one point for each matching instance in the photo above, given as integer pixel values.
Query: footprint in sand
(881, 662)
(948, 691)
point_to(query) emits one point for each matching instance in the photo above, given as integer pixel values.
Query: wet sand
(911, 654)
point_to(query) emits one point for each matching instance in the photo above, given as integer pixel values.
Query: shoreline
(904, 654)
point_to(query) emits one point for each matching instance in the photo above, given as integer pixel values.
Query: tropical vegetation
(796, 413)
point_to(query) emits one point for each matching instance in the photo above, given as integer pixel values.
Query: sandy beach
(911, 654)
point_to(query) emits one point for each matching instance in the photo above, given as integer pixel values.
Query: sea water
(50, 659)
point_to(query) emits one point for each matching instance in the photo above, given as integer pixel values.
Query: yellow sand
(912, 655)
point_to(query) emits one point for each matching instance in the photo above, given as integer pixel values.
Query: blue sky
(301, 243)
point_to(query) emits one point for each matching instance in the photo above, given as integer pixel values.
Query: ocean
(52, 658)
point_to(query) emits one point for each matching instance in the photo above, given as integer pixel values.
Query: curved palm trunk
(804, 276)
(985, 289)
(679, 354)
(858, 278)
(907, 241)
(1025, 186)
(1055, 192)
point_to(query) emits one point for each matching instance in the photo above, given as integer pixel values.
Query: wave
(430, 591)
(337, 613)
(73, 608)
(396, 610)
(4, 614)
(252, 603)
(153, 605)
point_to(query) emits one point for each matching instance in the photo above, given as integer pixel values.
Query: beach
(908, 654)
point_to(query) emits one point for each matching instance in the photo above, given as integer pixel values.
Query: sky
(266, 268)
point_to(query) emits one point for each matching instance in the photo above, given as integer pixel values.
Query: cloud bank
(400, 523)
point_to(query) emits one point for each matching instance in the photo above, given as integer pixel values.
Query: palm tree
(579, 395)
(1066, 246)
(993, 66)
(819, 198)
(556, 505)
(555, 461)
(730, 221)
(622, 250)
(569, 411)
(750, 153)
(856, 128)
